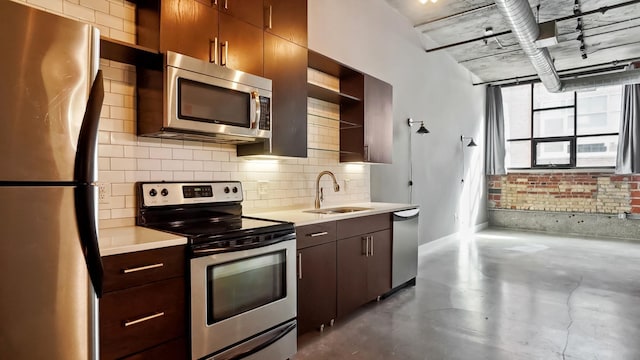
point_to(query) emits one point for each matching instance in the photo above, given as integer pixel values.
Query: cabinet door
(379, 264)
(250, 11)
(378, 121)
(285, 63)
(316, 286)
(188, 27)
(352, 274)
(241, 45)
(287, 19)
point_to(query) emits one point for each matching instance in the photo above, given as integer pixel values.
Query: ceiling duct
(522, 22)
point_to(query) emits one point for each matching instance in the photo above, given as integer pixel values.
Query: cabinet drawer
(363, 225)
(136, 319)
(174, 350)
(142, 267)
(315, 234)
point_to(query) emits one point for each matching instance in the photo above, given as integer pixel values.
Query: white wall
(371, 36)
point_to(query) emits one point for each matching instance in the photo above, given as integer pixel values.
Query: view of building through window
(561, 130)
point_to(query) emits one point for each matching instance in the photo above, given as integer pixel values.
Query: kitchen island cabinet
(316, 270)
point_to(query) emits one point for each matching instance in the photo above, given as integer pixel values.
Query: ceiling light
(423, 1)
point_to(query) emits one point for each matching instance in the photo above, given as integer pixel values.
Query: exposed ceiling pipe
(522, 22)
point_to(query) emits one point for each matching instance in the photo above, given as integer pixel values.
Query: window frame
(573, 139)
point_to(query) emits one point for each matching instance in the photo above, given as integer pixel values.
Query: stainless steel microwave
(208, 102)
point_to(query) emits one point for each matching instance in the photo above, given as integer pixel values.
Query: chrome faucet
(319, 193)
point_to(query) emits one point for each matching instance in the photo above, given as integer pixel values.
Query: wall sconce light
(421, 130)
(471, 143)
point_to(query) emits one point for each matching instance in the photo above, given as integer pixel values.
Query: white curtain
(628, 158)
(495, 150)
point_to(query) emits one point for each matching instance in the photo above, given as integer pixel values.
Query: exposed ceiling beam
(453, 16)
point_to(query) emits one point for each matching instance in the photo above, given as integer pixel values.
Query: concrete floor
(501, 294)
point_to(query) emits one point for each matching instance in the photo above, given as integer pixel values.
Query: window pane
(543, 99)
(553, 123)
(518, 154)
(599, 110)
(597, 151)
(516, 105)
(553, 153)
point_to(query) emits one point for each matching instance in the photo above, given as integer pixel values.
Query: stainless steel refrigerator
(51, 95)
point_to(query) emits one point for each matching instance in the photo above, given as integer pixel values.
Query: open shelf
(332, 96)
(130, 54)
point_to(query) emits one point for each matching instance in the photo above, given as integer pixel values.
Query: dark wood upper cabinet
(285, 63)
(188, 27)
(250, 11)
(366, 112)
(230, 36)
(287, 19)
(241, 45)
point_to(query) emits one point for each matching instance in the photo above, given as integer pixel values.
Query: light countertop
(128, 239)
(299, 217)
(120, 240)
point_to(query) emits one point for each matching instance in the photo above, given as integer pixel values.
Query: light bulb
(423, 1)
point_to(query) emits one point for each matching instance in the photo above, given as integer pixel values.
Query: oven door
(240, 295)
(207, 104)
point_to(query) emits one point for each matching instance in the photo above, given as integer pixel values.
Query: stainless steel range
(242, 269)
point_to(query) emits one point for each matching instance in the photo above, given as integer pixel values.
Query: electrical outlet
(262, 187)
(103, 193)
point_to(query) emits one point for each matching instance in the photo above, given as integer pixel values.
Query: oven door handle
(239, 353)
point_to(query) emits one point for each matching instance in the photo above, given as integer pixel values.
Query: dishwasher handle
(406, 214)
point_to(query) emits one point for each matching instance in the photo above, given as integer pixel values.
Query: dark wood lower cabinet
(141, 317)
(364, 269)
(316, 286)
(172, 350)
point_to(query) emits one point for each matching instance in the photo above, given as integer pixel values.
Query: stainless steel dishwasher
(404, 267)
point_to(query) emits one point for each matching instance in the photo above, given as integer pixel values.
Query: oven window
(242, 285)
(208, 103)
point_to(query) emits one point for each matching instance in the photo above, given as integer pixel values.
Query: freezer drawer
(405, 246)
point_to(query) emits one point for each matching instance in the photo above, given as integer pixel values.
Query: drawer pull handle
(143, 319)
(141, 268)
(318, 234)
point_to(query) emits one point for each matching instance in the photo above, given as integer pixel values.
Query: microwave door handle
(256, 99)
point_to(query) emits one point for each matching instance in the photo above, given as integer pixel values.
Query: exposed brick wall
(571, 192)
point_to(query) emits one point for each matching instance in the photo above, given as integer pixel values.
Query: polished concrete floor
(501, 294)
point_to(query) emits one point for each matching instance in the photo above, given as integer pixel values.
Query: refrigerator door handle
(85, 192)
(86, 153)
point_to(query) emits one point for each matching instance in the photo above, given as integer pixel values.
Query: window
(561, 130)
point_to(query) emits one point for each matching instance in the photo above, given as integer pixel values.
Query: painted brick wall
(125, 158)
(604, 193)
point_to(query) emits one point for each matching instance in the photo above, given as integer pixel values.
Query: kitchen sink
(338, 210)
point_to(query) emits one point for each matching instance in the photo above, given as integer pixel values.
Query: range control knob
(164, 192)
(226, 190)
(153, 192)
(235, 190)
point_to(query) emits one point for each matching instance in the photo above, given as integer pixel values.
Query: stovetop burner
(204, 212)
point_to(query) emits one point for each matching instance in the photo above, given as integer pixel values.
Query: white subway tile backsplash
(182, 154)
(137, 152)
(193, 165)
(172, 165)
(111, 151)
(149, 164)
(122, 189)
(100, 5)
(79, 12)
(134, 176)
(183, 176)
(161, 175)
(102, 18)
(160, 153)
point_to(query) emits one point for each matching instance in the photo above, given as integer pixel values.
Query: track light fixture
(421, 130)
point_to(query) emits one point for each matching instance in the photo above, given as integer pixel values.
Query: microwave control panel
(265, 113)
